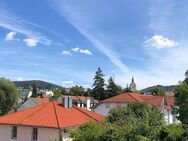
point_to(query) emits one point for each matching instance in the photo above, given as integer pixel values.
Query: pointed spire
(133, 79)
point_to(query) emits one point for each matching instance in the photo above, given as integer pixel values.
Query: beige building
(45, 122)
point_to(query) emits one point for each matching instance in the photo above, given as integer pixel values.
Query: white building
(45, 122)
(165, 104)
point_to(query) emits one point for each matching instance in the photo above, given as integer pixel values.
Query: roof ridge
(42, 106)
(82, 111)
(134, 97)
(56, 115)
(34, 100)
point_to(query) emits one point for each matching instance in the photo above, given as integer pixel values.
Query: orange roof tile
(123, 98)
(133, 97)
(52, 115)
(40, 101)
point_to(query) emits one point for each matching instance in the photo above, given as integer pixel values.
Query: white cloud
(66, 52)
(85, 51)
(31, 42)
(12, 22)
(76, 49)
(10, 36)
(158, 41)
(68, 84)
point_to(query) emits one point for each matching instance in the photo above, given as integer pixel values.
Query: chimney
(67, 101)
(88, 103)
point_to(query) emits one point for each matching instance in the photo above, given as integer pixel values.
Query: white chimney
(69, 102)
(88, 103)
(65, 101)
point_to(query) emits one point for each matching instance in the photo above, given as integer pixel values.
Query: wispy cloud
(77, 20)
(76, 49)
(10, 36)
(31, 42)
(85, 51)
(82, 51)
(15, 23)
(158, 41)
(66, 53)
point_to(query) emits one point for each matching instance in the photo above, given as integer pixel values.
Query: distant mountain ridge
(170, 88)
(39, 83)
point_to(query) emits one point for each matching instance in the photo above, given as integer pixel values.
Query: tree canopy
(137, 121)
(8, 96)
(158, 91)
(99, 85)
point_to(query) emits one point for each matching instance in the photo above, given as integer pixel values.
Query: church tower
(132, 86)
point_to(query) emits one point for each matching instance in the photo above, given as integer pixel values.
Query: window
(65, 131)
(35, 134)
(14, 132)
(107, 105)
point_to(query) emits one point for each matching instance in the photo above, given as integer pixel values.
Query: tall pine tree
(98, 85)
(112, 88)
(34, 90)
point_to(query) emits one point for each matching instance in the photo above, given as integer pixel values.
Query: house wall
(24, 133)
(28, 104)
(104, 108)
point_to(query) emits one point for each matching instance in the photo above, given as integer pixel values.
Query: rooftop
(52, 115)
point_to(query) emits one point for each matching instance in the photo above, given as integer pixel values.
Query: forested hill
(166, 88)
(40, 84)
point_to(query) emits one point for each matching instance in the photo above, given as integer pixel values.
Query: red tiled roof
(133, 97)
(170, 101)
(52, 115)
(40, 101)
(81, 98)
(123, 98)
(153, 100)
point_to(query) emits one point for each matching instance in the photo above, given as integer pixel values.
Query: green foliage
(166, 88)
(88, 92)
(136, 122)
(172, 132)
(59, 92)
(40, 84)
(158, 91)
(8, 96)
(145, 120)
(182, 102)
(34, 90)
(98, 85)
(112, 88)
(88, 132)
(77, 91)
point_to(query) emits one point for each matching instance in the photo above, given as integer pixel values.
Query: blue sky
(65, 41)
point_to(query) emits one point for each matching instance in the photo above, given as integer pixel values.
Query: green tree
(182, 102)
(112, 88)
(88, 132)
(157, 91)
(34, 90)
(172, 132)
(136, 122)
(144, 121)
(60, 92)
(8, 96)
(77, 91)
(88, 92)
(98, 85)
